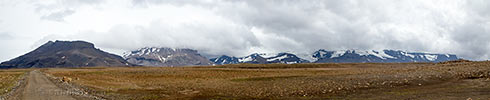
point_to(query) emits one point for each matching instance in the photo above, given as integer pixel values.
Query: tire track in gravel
(39, 87)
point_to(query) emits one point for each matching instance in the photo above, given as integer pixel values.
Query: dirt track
(39, 87)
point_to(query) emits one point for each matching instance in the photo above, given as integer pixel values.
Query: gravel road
(39, 87)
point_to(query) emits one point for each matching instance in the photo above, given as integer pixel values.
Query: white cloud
(58, 16)
(5, 35)
(239, 27)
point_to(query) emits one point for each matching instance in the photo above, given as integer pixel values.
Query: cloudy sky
(240, 27)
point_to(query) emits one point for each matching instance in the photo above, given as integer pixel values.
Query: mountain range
(82, 54)
(341, 56)
(381, 56)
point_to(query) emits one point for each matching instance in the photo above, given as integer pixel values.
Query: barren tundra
(449, 80)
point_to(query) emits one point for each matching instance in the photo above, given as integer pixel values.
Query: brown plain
(9, 78)
(449, 80)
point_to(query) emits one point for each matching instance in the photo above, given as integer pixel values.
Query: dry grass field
(451, 80)
(9, 77)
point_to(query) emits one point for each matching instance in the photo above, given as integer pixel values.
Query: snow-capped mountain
(224, 59)
(286, 58)
(262, 58)
(355, 56)
(253, 58)
(152, 56)
(189, 57)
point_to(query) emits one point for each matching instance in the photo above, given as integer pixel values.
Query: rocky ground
(10, 81)
(297, 81)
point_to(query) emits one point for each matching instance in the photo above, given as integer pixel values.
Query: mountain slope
(166, 57)
(65, 54)
(286, 58)
(256, 58)
(384, 56)
(224, 59)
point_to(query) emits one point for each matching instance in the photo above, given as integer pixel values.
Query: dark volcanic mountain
(166, 57)
(65, 54)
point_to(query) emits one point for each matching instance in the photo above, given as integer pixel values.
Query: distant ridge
(340, 56)
(381, 56)
(166, 57)
(261, 58)
(65, 54)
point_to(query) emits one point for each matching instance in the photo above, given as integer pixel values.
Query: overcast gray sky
(241, 27)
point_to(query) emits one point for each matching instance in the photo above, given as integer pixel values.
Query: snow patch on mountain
(277, 58)
(154, 56)
(409, 55)
(380, 56)
(339, 56)
(337, 53)
(245, 59)
(431, 57)
(261, 58)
